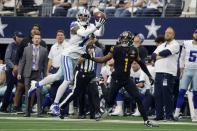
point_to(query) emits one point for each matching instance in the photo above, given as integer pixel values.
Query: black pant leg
(82, 99)
(10, 85)
(158, 95)
(75, 92)
(168, 96)
(133, 91)
(115, 86)
(93, 95)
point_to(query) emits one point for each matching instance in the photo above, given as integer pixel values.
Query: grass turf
(109, 124)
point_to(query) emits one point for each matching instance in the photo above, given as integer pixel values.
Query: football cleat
(151, 124)
(137, 113)
(194, 119)
(55, 110)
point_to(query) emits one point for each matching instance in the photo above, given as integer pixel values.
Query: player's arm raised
(75, 29)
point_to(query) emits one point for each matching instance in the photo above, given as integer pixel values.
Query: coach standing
(33, 66)
(166, 61)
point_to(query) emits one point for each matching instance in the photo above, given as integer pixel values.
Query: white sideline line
(89, 121)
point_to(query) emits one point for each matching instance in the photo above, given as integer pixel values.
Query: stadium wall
(150, 27)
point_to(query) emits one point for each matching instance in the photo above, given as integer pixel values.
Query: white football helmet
(83, 17)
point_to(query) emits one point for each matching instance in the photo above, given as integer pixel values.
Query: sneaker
(117, 112)
(176, 118)
(32, 88)
(194, 119)
(136, 114)
(149, 123)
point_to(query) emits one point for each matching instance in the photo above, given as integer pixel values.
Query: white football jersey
(188, 57)
(135, 75)
(136, 78)
(77, 42)
(55, 53)
(168, 64)
(145, 78)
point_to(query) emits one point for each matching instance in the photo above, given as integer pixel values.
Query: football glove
(99, 23)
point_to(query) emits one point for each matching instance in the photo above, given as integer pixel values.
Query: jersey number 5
(192, 56)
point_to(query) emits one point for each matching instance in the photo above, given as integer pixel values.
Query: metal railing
(170, 8)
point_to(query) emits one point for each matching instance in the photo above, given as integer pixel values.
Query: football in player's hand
(99, 15)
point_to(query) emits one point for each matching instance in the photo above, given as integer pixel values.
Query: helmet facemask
(83, 17)
(126, 38)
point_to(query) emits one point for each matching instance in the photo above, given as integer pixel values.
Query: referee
(85, 82)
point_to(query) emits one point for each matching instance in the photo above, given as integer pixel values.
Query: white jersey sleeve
(85, 32)
(189, 55)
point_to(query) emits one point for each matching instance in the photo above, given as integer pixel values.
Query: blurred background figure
(10, 57)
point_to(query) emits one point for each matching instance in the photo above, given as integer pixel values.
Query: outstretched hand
(99, 23)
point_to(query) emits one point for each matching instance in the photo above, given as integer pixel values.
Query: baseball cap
(18, 34)
(141, 36)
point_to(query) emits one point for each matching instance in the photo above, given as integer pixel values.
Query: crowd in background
(113, 8)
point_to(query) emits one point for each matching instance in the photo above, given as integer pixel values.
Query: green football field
(10, 123)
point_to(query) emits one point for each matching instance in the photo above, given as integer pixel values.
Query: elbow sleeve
(165, 53)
